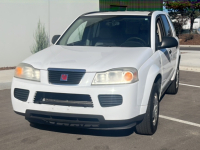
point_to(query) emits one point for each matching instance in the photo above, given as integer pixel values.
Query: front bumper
(79, 120)
(126, 111)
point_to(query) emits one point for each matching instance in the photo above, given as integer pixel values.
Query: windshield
(108, 31)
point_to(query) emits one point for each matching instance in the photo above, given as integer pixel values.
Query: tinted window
(108, 31)
(168, 31)
(171, 23)
(159, 32)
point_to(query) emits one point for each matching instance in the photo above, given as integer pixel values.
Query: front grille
(21, 94)
(63, 99)
(74, 76)
(110, 100)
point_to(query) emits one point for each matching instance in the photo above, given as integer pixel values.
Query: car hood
(92, 59)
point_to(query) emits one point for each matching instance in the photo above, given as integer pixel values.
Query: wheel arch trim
(154, 73)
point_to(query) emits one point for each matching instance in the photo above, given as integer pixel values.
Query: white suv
(108, 70)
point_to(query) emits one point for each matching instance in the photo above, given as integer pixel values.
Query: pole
(49, 19)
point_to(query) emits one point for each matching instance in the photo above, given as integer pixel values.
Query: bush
(178, 27)
(41, 39)
(189, 37)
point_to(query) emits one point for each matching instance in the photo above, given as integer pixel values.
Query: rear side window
(168, 31)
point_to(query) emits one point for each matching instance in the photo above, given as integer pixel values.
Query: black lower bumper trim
(79, 120)
(19, 113)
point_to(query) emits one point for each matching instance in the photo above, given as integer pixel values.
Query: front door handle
(170, 51)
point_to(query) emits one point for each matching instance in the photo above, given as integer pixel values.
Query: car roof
(136, 13)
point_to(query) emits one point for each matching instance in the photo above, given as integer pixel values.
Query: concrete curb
(5, 85)
(6, 79)
(193, 69)
(189, 45)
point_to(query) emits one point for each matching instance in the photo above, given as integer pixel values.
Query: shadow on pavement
(70, 130)
(161, 98)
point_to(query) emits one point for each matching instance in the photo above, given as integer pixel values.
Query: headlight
(116, 76)
(26, 71)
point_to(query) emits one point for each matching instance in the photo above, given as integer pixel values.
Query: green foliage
(182, 5)
(178, 27)
(180, 19)
(188, 9)
(41, 39)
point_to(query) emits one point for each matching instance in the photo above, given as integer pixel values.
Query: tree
(41, 38)
(187, 8)
(180, 20)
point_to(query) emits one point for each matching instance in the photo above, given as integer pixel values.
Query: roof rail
(151, 12)
(93, 12)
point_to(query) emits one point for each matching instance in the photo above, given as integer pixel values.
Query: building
(19, 19)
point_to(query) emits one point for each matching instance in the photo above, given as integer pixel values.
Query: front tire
(150, 122)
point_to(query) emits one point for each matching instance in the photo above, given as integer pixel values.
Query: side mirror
(168, 42)
(55, 38)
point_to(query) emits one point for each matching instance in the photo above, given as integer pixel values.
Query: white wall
(19, 18)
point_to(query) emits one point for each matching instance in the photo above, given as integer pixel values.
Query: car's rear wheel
(173, 88)
(150, 122)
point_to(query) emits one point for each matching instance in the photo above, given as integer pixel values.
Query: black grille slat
(58, 73)
(110, 100)
(63, 99)
(21, 94)
(32, 115)
(74, 76)
(60, 119)
(56, 120)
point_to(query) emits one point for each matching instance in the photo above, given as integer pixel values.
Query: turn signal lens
(128, 76)
(26, 71)
(19, 71)
(116, 76)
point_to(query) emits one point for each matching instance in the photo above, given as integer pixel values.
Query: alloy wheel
(155, 109)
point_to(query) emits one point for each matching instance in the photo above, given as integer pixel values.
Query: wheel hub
(155, 109)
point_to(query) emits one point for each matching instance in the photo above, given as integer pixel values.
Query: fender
(154, 70)
(177, 64)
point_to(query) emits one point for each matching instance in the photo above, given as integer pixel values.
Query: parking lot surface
(179, 127)
(190, 48)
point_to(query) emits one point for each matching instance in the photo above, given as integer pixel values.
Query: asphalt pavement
(180, 131)
(190, 48)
